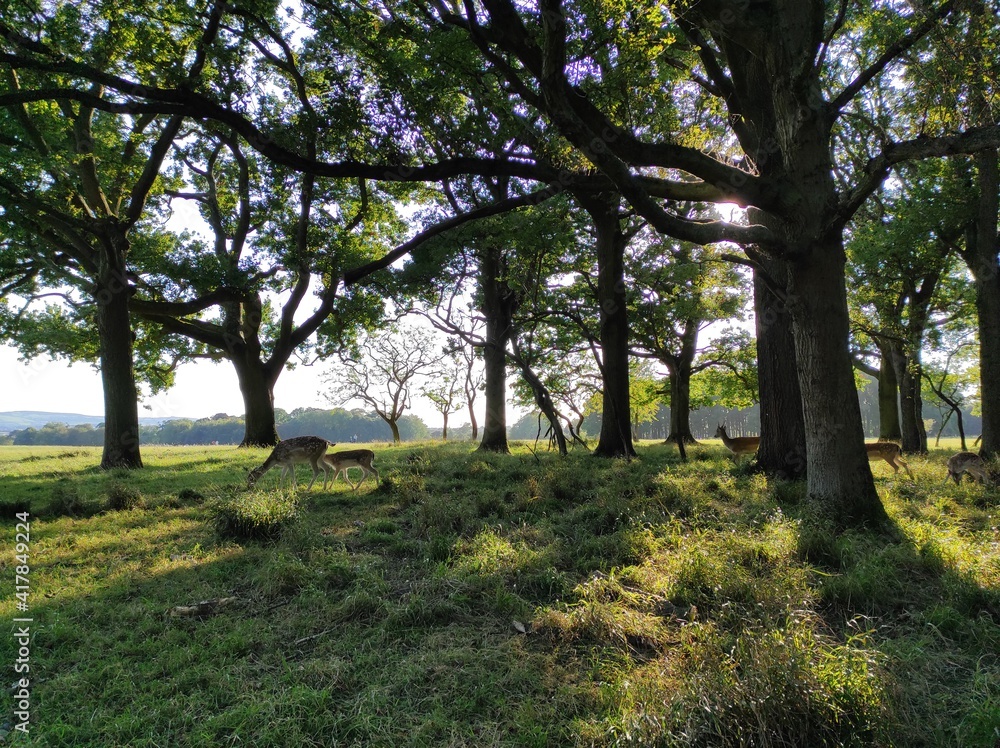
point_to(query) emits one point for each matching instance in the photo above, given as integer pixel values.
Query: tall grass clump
(122, 497)
(773, 687)
(255, 515)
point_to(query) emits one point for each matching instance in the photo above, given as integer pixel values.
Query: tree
(447, 388)
(382, 371)
(774, 68)
(956, 87)
(951, 381)
(906, 283)
(295, 234)
(680, 290)
(76, 179)
(68, 75)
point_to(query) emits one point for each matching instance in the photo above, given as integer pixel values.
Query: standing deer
(359, 458)
(740, 445)
(891, 453)
(287, 453)
(967, 462)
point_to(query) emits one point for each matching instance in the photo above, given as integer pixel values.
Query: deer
(359, 458)
(888, 451)
(891, 453)
(740, 445)
(287, 453)
(968, 462)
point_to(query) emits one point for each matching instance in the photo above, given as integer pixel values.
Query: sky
(203, 389)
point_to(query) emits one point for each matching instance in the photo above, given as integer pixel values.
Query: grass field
(472, 600)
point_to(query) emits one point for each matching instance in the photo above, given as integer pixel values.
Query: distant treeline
(746, 421)
(342, 426)
(337, 425)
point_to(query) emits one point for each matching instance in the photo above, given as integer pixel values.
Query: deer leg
(905, 467)
(315, 468)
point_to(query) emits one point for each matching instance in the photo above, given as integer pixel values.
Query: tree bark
(680, 404)
(542, 398)
(473, 422)
(888, 398)
(782, 450)
(395, 431)
(497, 307)
(114, 328)
(616, 429)
(257, 388)
(840, 481)
(914, 435)
(982, 255)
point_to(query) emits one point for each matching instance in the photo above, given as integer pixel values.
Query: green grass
(664, 604)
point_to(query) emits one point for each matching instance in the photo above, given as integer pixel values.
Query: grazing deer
(290, 451)
(967, 462)
(359, 458)
(740, 445)
(891, 453)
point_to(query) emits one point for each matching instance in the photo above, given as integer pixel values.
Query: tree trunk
(472, 421)
(497, 307)
(395, 431)
(114, 329)
(839, 477)
(888, 398)
(616, 432)
(782, 450)
(982, 255)
(257, 388)
(542, 398)
(914, 435)
(444, 429)
(680, 405)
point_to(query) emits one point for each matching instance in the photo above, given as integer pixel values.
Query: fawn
(359, 458)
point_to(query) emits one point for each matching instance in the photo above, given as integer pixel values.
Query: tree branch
(891, 53)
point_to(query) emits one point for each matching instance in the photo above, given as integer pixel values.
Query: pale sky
(203, 389)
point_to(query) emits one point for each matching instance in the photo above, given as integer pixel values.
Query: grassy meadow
(478, 600)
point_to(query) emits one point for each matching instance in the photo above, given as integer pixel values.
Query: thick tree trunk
(394, 426)
(444, 428)
(114, 329)
(497, 307)
(616, 429)
(988, 309)
(983, 258)
(839, 477)
(782, 450)
(257, 388)
(888, 398)
(680, 405)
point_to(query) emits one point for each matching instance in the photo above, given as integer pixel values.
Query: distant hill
(22, 419)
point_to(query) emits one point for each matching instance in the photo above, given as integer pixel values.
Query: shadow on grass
(665, 604)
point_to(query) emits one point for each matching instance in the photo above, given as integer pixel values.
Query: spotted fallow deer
(287, 453)
(891, 453)
(359, 458)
